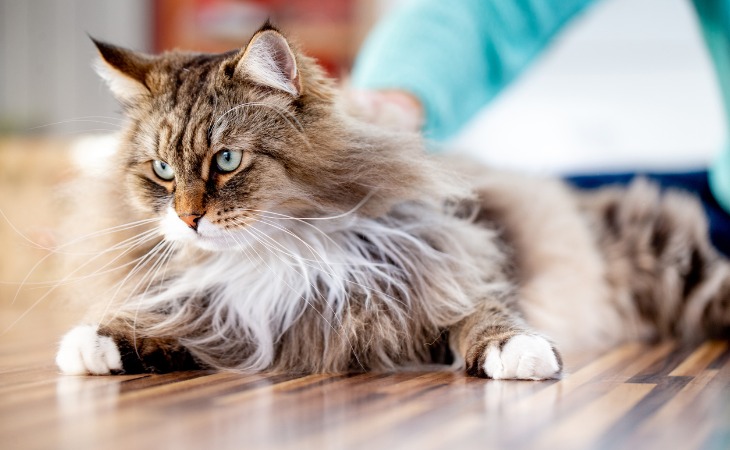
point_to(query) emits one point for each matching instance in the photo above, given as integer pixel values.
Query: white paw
(523, 357)
(83, 351)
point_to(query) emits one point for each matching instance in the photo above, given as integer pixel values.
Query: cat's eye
(163, 170)
(228, 160)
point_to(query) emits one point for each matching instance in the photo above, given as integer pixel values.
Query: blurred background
(46, 55)
(627, 85)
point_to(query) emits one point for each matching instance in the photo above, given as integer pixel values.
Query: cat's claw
(84, 351)
(523, 357)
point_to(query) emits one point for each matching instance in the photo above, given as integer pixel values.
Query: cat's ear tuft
(125, 71)
(269, 60)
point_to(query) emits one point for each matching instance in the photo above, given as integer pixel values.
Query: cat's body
(298, 239)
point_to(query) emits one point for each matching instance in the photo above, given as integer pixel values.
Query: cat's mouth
(207, 235)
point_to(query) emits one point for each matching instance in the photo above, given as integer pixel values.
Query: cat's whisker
(162, 262)
(319, 259)
(303, 273)
(98, 233)
(243, 246)
(268, 266)
(128, 245)
(53, 289)
(352, 210)
(331, 272)
(304, 262)
(103, 233)
(274, 246)
(141, 263)
(166, 251)
(122, 227)
(328, 271)
(276, 216)
(118, 119)
(133, 242)
(18, 232)
(114, 118)
(87, 119)
(67, 133)
(98, 272)
(244, 249)
(305, 221)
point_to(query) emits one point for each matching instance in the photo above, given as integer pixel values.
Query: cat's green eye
(163, 170)
(228, 160)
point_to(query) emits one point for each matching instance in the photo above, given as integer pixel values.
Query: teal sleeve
(714, 17)
(455, 56)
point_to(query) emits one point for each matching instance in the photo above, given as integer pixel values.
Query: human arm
(456, 56)
(714, 16)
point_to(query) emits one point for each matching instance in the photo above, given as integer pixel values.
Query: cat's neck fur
(392, 265)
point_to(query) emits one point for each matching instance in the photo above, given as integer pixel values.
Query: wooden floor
(635, 397)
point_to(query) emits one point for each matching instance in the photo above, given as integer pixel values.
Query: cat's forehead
(197, 118)
(178, 85)
(198, 108)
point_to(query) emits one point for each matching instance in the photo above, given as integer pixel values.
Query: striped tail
(659, 255)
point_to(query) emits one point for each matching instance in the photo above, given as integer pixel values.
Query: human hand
(392, 109)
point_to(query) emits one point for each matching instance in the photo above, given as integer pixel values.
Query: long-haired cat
(272, 230)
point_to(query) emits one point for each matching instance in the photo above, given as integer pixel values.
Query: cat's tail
(660, 260)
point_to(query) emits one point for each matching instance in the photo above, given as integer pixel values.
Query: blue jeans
(695, 183)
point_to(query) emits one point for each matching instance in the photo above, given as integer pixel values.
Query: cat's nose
(191, 219)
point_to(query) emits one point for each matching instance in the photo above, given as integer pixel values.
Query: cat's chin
(216, 243)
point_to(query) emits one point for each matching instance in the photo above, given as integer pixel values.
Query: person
(432, 64)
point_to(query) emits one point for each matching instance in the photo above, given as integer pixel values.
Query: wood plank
(583, 427)
(701, 358)
(679, 423)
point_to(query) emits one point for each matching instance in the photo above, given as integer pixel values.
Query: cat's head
(218, 142)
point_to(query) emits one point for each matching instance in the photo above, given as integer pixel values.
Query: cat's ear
(125, 71)
(269, 60)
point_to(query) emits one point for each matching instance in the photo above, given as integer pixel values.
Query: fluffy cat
(271, 230)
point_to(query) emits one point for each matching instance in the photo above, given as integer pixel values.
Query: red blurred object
(329, 30)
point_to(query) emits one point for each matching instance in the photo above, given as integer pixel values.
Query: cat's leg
(496, 343)
(116, 348)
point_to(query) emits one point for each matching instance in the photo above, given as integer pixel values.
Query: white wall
(46, 57)
(628, 86)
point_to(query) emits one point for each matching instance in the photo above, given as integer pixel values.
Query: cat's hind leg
(117, 349)
(662, 268)
(495, 343)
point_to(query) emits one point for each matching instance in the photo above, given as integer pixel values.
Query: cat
(271, 229)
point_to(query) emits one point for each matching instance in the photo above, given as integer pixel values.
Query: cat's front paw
(522, 357)
(83, 351)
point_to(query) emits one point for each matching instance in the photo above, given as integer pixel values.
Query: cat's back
(558, 264)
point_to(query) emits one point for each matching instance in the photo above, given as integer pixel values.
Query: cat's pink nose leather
(191, 220)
